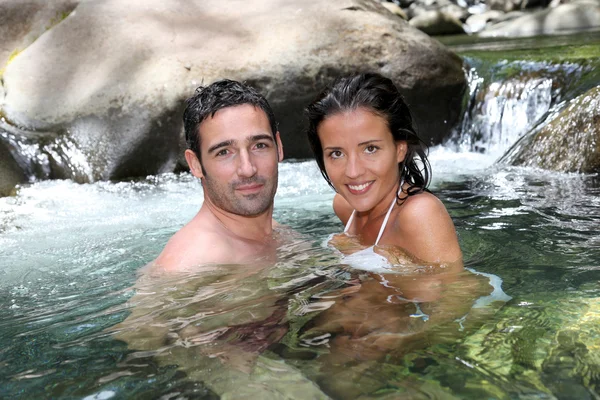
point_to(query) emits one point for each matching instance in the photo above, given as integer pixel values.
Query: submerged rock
(113, 76)
(570, 142)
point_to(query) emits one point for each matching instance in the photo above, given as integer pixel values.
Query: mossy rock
(569, 142)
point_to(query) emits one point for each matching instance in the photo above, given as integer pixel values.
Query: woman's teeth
(358, 188)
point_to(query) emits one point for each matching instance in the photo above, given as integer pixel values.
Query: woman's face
(361, 158)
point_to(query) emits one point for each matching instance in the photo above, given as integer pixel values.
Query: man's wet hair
(207, 100)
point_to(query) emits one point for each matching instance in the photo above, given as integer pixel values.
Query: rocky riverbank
(498, 18)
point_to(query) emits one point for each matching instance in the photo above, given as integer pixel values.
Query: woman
(361, 132)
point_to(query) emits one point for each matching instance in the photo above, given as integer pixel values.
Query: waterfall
(506, 100)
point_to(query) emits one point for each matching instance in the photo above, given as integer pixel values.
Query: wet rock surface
(569, 142)
(10, 172)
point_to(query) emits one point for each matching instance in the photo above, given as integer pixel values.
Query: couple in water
(362, 134)
(407, 279)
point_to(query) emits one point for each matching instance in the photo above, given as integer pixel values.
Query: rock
(477, 22)
(455, 11)
(504, 5)
(23, 21)
(395, 9)
(570, 142)
(113, 76)
(529, 4)
(564, 18)
(509, 16)
(10, 172)
(435, 22)
(404, 3)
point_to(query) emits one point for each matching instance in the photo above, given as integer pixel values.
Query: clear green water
(70, 254)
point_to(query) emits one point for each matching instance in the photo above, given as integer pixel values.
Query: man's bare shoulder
(191, 246)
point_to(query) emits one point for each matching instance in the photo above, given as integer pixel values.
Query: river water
(76, 322)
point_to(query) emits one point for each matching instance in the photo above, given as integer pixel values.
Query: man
(234, 148)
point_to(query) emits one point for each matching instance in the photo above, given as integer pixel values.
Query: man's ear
(401, 149)
(279, 147)
(194, 164)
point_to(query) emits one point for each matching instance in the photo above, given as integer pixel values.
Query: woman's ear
(401, 149)
(194, 164)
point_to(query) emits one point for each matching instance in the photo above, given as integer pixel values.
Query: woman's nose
(354, 167)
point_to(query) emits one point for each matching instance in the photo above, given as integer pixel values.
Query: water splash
(46, 155)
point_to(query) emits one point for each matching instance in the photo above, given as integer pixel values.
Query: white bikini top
(367, 259)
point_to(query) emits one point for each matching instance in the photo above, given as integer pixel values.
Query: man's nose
(246, 167)
(354, 167)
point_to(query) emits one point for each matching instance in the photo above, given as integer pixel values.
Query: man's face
(239, 155)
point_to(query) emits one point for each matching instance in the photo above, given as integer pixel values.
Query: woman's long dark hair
(378, 94)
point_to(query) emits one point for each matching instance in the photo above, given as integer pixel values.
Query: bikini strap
(349, 221)
(387, 216)
(385, 220)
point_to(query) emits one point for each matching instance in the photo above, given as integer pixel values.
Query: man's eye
(371, 149)
(262, 146)
(221, 153)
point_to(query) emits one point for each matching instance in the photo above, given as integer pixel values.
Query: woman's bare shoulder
(425, 229)
(423, 205)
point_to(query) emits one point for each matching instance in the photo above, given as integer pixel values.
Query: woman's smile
(358, 189)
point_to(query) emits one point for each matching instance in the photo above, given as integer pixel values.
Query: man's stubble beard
(226, 198)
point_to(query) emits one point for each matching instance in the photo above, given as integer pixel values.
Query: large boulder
(564, 18)
(23, 21)
(570, 142)
(113, 75)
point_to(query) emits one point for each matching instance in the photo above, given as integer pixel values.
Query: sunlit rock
(570, 142)
(23, 21)
(395, 9)
(477, 22)
(564, 18)
(113, 76)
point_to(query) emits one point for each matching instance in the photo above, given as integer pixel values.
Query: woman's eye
(371, 149)
(335, 154)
